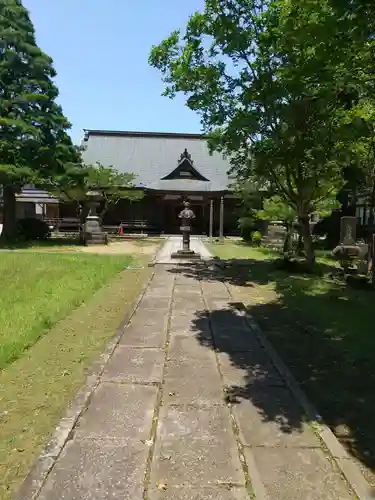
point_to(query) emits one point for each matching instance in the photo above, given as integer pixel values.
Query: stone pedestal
(185, 254)
(93, 233)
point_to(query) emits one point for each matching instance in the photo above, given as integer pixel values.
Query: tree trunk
(9, 232)
(287, 247)
(307, 241)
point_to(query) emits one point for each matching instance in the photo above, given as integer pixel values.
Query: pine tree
(34, 144)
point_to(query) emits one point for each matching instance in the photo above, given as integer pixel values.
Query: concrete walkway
(189, 407)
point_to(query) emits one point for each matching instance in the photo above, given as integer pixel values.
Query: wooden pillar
(211, 217)
(222, 217)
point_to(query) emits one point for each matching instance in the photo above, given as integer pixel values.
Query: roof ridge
(130, 133)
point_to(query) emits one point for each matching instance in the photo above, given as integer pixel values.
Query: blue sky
(100, 50)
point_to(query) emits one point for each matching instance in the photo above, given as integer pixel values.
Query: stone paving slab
(135, 365)
(187, 291)
(242, 371)
(296, 474)
(189, 348)
(193, 382)
(189, 424)
(216, 290)
(198, 493)
(94, 470)
(149, 303)
(196, 463)
(270, 417)
(181, 328)
(148, 336)
(119, 413)
(189, 302)
(235, 338)
(195, 447)
(223, 316)
(160, 290)
(158, 319)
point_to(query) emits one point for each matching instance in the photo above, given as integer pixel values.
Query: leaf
(161, 486)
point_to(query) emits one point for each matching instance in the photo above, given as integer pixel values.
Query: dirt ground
(122, 247)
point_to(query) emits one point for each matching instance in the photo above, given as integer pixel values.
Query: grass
(323, 329)
(39, 289)
(71, 244)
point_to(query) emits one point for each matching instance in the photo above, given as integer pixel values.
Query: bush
(246, 226)
(33, 229)
(256, 238)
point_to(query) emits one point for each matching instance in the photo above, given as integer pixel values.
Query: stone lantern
(92, 230)
(186, 216)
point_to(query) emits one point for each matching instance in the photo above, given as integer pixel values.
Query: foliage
(31, 229)
(256, 238)
(34, 143)
(110, 184)
(276, 209)
(275, 93)
(246, 226)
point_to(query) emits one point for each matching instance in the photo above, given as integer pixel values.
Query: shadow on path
(326, 339)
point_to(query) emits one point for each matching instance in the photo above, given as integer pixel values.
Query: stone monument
(186, 215)
(92, 230)
(348, 249)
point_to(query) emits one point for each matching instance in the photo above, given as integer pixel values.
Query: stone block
(234, 337)
(158, 319)
(96, 470)
(191, 348)
(241, 369)
(149, 302)
(118, 413)
(269, 416)
(196, 448)
(197, 493)
(193, 382)
(135, 365)
(147, 336)
(293, 474)
(215, 290)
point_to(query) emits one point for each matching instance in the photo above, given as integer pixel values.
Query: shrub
(256, 238)
(33, 229)
(246, 226)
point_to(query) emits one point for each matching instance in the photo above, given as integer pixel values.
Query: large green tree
(34, 143)
(272, 93)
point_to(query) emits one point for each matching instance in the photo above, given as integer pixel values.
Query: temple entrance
(171, 222)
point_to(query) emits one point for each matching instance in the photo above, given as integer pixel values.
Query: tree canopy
(34, 141)
(283, 88)
(111, 185)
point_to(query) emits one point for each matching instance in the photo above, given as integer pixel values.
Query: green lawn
(37, 290)
(324, 331)
(52, 327)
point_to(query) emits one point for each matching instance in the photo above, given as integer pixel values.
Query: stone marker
(348, 231)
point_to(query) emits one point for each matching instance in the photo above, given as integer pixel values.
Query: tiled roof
(152, 156)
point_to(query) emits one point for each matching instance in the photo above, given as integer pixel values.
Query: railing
(63, 223)
(141, 225)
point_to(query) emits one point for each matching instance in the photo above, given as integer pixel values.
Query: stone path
(189, 407)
